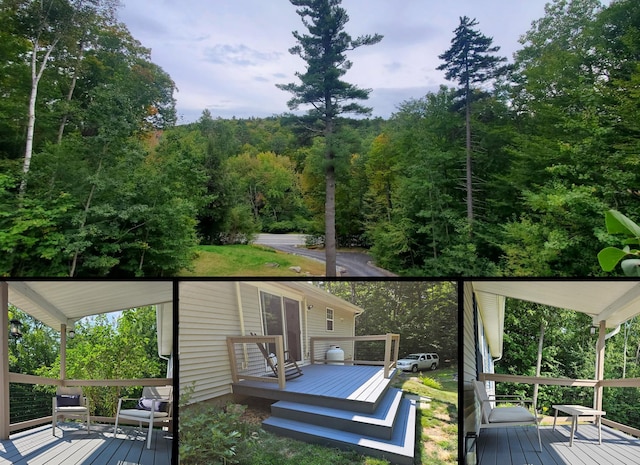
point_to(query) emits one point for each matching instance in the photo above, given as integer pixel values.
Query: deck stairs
(382, 426)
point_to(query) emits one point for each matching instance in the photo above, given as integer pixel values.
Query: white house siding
(343, 325)
(470, 371)
(208, 313)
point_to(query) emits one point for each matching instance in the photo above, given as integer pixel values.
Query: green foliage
(423, 313)
(102, 340)
(430, 382)
(609, 257)
(209, 434)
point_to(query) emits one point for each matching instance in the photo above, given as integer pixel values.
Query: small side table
(576, 411)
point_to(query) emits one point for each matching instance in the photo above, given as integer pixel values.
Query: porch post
(4, 355)
(598, 390)
(387, 354)
(63, 353)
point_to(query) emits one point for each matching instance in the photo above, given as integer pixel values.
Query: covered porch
(59, 304)
(609, 304)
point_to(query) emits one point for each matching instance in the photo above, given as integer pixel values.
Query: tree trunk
(469, 177)
(65, 118)
(36, 74)
(330, 218)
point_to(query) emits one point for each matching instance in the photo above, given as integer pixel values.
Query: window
(329, 319)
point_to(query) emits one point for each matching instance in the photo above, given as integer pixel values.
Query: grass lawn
(239, 428)
(250, 260)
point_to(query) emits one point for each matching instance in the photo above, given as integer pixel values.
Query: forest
(97, 179)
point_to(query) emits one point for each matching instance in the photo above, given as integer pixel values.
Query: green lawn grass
(249, 260)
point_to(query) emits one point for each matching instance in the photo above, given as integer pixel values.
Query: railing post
(281, 361)
(387, 354)
(599, 375)
(4, 362)
(232, 359)
(312, 342)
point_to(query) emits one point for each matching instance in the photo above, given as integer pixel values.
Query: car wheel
(433, 366)
(414, 368)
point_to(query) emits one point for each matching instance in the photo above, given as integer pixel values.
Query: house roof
(310, 291)
(64, 302)
(611, 301)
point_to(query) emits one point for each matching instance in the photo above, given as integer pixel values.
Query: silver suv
(419, 362)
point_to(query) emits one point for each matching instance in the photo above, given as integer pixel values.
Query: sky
(228, 55)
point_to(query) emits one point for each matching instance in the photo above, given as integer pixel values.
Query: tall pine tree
(469, 61)
(323, 50)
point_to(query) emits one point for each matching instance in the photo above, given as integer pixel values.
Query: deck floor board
(333, 383)
(72, 445)
(519, 446)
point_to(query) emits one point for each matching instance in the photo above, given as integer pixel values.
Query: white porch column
(63, 353)
(4, 361)
(597, 397)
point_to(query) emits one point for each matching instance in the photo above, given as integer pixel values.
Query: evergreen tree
(323, 49)
(469, 61)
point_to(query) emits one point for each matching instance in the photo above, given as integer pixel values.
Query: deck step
(399, 449)
(378, 424)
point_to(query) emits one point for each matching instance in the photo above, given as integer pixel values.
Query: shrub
(209, 434)
(430, 382)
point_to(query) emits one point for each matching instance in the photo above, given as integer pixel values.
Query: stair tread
(402, 442)
(384, 415)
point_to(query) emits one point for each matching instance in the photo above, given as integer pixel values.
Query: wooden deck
(72, 445)
(519, 446)
(358, 388)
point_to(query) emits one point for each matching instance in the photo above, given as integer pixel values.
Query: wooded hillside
(114, 188)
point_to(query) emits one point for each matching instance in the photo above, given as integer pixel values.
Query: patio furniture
(291, 368)
(576, 411)
(154, 406)
(500, 417)
(69, 402)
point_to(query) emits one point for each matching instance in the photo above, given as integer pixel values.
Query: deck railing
(237, 375)
(18, 378)
(243, 359)
(391, 346)
(591, 383)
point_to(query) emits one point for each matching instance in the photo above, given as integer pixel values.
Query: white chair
(69, 402)
(154, 407)
(500, 417)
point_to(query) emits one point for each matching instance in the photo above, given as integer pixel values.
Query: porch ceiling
(64, 302)
(612, 301)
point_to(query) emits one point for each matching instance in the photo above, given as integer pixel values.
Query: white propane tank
(335, 356)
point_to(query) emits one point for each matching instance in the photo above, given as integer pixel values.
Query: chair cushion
(510, 415)
(137, 413)
(160, 406)
(67, 400)
(76, 409)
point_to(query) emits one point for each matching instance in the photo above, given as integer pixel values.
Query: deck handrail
(390, 349)
(278, 340)
(627, 382)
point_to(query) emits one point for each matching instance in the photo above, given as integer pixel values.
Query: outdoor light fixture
(72, 334)
(309, 307)
(593, 330)
(15, 328)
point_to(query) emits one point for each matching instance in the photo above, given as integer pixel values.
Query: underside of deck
(72, 445)
(358, 388)
(519, 446)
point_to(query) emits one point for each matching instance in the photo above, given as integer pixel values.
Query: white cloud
(227, 55)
